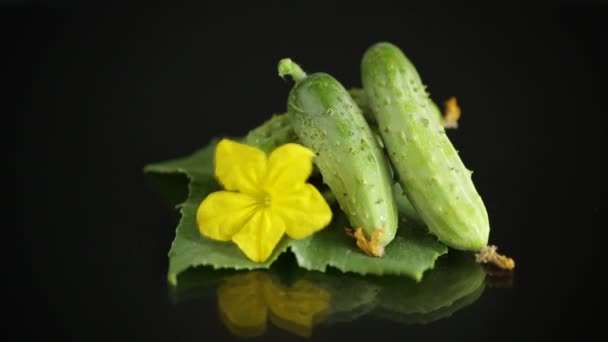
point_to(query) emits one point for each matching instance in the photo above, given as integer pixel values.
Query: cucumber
(360, 98)
(430, 171)
(277, 131)
(328, 121)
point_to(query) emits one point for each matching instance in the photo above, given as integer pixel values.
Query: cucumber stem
(289, 67)
(488, 254)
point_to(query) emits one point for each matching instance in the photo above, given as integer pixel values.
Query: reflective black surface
(254, 303)
(101, 92)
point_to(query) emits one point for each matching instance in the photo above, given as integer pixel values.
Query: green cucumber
(360, 98)
(277, 131)
(328, 121)
(430, 171)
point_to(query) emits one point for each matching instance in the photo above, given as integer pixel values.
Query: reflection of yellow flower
(265, 197)
(246, 301)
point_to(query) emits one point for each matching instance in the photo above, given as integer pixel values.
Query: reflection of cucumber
(328, 121)
(429, 168)
(455, 277)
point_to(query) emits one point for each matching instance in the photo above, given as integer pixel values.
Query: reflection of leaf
(247, 299)
(352, 296)
(454, 278)
(411, 253)
(198, 282)
(443, 312)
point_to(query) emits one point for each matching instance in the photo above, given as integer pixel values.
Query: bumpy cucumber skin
(430, 171)
(360, 98)
(328, 121)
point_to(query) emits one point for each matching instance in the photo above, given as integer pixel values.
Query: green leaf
(197, 165)
(411, 253)
(190, 248)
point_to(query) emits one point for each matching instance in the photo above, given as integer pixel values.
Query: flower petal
(288, 165)
(304, 211)
(223, 213)
(239, 167)
(260, 235)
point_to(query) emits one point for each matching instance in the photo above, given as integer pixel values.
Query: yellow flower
(265, 197)
(247, 301)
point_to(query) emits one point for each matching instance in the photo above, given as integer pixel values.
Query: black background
(98, 93)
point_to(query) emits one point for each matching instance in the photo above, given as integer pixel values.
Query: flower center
(265, 199)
